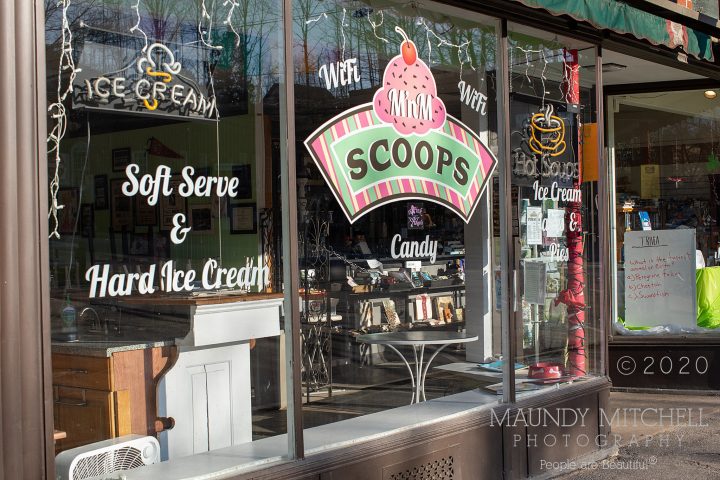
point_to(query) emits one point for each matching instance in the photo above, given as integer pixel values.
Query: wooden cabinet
(89, 415)
(96, 398)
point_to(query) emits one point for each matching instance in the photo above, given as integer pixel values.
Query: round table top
(417, 338)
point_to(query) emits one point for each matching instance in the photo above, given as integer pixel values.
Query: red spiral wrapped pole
(574, 295)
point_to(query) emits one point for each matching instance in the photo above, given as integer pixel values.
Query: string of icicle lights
(463, 54)
(58, 114)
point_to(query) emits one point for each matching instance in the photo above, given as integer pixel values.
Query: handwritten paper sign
(660, 278)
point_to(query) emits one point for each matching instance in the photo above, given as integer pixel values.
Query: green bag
(707, 281)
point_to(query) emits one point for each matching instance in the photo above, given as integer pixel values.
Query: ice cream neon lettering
(156, 86)
(403, 145)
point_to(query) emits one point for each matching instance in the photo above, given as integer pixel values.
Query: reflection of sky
(329, 34)
(249, 36)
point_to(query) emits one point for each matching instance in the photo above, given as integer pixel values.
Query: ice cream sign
(155, 83)
(403, 145)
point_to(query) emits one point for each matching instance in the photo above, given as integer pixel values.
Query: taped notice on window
(535, 287)
(534, 225)
(555, 225)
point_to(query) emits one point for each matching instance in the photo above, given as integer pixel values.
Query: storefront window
(667, 185)
(164, 160)
(554, 208)
(396, 104)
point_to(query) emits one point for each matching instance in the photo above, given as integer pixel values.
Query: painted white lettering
(148, 186)
(205, 186)
(402, 105)
(558, 253)
(176, 280)
(413, 249)
(339, 73)
(244, 278)
(473, 97)
(103, 284)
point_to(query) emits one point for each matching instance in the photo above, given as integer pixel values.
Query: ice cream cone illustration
(408, 97)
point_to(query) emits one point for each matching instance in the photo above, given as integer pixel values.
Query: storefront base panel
(677, 363)
(484, 445)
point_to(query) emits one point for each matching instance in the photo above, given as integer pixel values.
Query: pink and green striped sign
(368, 162)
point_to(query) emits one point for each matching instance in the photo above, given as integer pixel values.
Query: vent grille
(124, 458)
(439, 469)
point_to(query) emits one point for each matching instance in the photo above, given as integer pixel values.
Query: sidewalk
(682, 448)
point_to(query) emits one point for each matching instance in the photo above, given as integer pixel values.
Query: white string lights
(375, 26)
(316, 19)
(205, 15)
(137, 27)
(528, 53)
(58, 114)
(342, 31)
(462, 48)
(228, 19)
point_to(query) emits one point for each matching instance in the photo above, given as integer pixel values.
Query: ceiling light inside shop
(612, 67)
(608, 67)
(710, 94)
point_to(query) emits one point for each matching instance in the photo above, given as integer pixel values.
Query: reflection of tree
(304, 12)
(165, 17)
(328, 33)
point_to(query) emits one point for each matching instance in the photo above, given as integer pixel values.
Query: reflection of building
(169, 344)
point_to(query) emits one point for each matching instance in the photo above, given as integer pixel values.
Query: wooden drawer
(85, 372)
(89, 416)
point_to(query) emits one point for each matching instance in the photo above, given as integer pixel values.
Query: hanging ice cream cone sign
(403, 145)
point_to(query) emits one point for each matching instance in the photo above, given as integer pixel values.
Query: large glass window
(396, 105)
(164, 160)
(166, 141)
(666, 168)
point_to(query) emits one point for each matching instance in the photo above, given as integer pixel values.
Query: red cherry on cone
(407, 49)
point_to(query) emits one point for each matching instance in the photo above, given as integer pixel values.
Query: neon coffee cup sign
(403, 145)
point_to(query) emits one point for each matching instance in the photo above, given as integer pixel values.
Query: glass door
(553, 180)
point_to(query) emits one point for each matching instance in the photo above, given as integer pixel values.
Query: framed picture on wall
(68, 215)
(121, 158)
(87, 220)
(244, 174)
(145, 215)
(201, 218)
(161, 246)
(171, 205)
(121, 211)
(101, 192)
(243, 218)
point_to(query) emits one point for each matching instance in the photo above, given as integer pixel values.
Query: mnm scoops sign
(403, 145)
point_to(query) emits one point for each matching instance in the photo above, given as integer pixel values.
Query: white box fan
(102, 458)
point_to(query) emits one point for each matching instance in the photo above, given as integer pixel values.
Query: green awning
(622, 18)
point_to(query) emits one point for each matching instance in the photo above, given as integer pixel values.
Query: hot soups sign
(403, 145)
